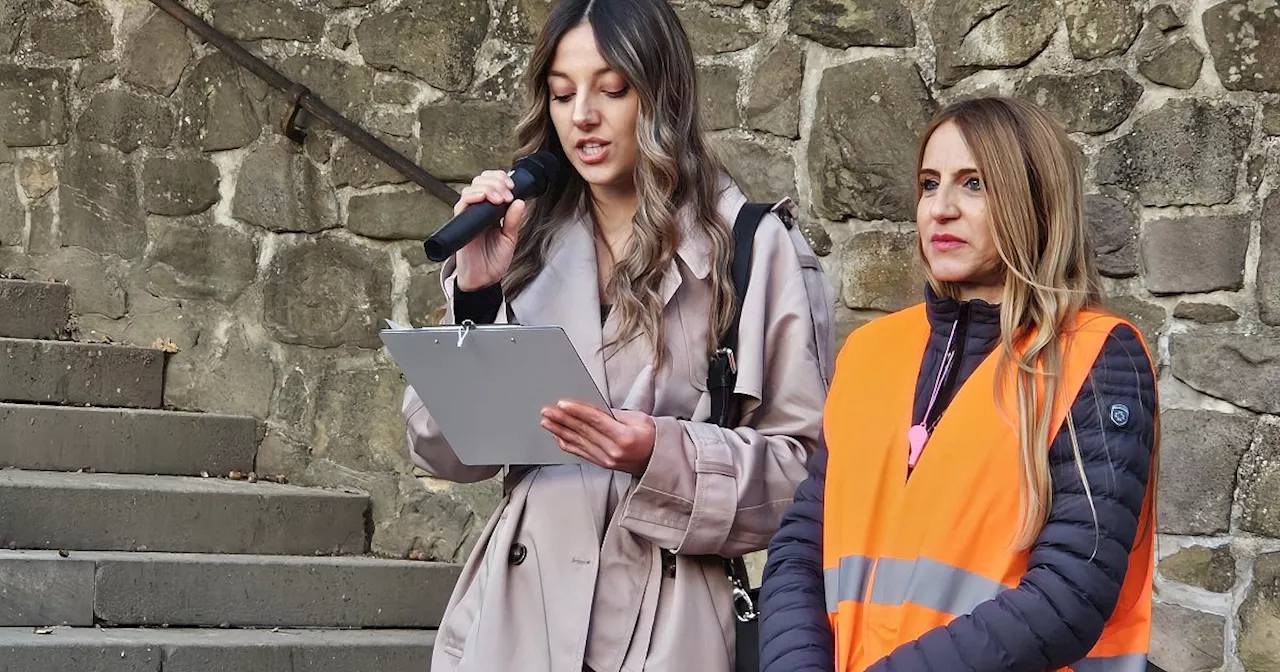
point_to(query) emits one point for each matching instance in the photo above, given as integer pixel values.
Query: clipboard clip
(464, 329)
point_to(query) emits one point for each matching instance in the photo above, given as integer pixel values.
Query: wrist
(651, 438)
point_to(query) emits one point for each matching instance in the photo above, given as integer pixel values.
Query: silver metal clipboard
(485, 386)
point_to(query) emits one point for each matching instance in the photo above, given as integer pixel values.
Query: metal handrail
(301, 98)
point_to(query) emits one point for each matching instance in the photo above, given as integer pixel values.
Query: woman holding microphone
(983, 498)
(619, 564)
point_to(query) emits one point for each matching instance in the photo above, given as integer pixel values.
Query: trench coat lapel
(693, 250)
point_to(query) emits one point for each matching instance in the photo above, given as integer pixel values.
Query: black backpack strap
(722, 377)
(722, 374)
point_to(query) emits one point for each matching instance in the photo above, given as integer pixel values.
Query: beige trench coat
(589, 587)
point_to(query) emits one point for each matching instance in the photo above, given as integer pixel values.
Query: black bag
(722, 374)
(721, 377)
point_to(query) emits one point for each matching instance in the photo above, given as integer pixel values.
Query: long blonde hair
(676, 174)
(1034, 185)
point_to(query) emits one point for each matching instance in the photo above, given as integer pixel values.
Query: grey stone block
(1201, 453)
(1244, 64)
(1213, 569)
(1256, 638)
(128, 650)
(885, 94)
(1025, 29)
(1089, 103)
(35, 105)
(1259, 490)
(33, 309)
(1244, 370)
(1098, 28)
(460, 25)
(1195, 254)
(1188, 152)
(1186, 639)
(310, 313)
(40, 588)
(258, 590)
(1269, 259)
(126, 441)
(119, 512)
(80, 373)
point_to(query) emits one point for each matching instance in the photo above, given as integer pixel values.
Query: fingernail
(546, 425)
(563, 404)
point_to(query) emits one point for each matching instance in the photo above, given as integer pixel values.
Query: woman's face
(594, 110)
(955, 230)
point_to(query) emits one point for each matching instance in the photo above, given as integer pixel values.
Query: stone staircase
(119, 552)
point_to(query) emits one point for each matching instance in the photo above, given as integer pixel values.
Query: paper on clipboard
(485, 386)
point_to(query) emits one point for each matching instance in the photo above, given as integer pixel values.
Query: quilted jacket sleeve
(795, 635)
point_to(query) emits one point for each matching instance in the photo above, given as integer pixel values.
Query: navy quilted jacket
(1056, 614)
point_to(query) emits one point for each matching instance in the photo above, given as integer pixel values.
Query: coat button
(517, 554)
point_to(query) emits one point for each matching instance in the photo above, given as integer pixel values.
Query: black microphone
(531, 175)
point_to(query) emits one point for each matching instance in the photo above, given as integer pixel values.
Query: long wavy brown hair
(1034, 181)
(676, 174)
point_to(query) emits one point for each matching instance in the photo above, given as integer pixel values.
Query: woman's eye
(619, 93)
(562, 98)
(973, 184)
(929, 184)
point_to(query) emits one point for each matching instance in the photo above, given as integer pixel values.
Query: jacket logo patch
(1119, 415)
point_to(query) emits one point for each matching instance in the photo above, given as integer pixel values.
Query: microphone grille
(543, 164)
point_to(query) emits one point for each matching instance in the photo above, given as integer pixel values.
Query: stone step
(173, 650)
(34, 309)
(263, 590)
(40, 588)
(126, 512)
(126, 441)
(80, 374)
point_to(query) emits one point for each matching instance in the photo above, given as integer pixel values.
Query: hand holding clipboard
(486, 386)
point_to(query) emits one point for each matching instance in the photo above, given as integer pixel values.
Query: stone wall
(143, 167)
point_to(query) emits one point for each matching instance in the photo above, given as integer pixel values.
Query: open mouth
(592, 150)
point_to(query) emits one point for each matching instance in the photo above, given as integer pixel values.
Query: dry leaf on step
(166, 345)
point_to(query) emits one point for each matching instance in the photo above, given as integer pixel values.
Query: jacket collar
(982, 320)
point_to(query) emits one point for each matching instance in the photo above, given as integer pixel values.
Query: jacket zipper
(949, 383)
(947, 389)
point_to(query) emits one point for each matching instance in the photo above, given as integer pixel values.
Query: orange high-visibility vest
(902, 556)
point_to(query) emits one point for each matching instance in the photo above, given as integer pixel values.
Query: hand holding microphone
(484, 251)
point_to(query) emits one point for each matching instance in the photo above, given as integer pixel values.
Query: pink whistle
(916, 436)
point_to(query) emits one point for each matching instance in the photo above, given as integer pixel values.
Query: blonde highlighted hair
(1033, 179)
(676, 174)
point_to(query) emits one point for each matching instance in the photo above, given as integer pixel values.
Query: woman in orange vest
(982, 501)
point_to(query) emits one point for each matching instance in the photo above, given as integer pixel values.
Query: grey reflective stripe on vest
(1132, 662)
(924, 582)
(931, 584)
(938, 586)
(848, 583)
